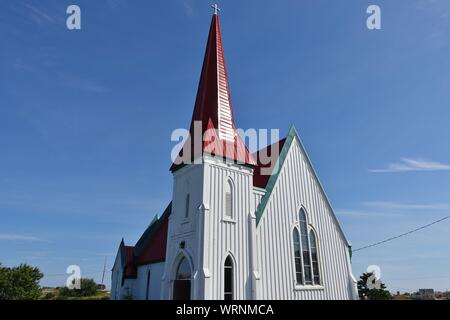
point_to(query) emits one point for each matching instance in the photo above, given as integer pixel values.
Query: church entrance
(182, 282)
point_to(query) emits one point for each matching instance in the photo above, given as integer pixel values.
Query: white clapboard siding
(222, 236)
(297, 186)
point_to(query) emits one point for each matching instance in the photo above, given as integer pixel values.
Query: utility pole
(104, 269)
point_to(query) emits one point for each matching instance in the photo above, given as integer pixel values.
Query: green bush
(371, 293)
(88, 288)
(20, 283)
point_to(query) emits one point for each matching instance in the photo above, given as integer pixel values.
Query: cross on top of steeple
(216, 9)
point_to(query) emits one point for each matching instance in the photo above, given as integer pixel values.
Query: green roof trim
(151, 230)
(273, 178)
(122, 253)
(155, 218)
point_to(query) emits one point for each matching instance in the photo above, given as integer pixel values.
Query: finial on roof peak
(216, 9)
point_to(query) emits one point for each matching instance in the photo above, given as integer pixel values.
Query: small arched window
(228, 279)
(148, 284)
(297, 257)
(187, 205)
(314, 257)
(184, 270)
(229, 199)
(182, 283)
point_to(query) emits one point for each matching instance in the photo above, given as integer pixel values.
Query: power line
(401, 235)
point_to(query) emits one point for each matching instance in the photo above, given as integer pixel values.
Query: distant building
(426, 294)
(101, 287)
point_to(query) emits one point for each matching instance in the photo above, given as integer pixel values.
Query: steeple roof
(213, 111)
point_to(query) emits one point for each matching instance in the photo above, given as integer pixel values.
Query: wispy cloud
(362, 213)
(19, 237)
(386, 205)
(84, 84)
(377, 209)
(188, 9)
(82, 206)
(39, 16)
(407, 164)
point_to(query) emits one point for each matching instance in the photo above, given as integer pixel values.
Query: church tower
(212, 226)
(238, 226)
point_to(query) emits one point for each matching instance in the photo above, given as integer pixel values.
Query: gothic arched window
(305, 247)
(314, 256)
(228, 292)
(229, 199)
(184, 270)
(297, 257)
(306, 243)
(182, 283)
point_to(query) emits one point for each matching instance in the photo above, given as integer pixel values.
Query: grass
(53, 294)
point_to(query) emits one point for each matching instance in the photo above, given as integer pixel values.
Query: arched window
(305, 247)
(187, 205)
(182, 283)
(184, 270)
(228, 279)
(306, 253)
(229, 199)
(314, 257)
(148, 285)
(297, 257)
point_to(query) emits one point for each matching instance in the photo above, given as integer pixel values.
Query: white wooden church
(230, 231)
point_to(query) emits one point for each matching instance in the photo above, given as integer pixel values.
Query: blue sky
(86, 118)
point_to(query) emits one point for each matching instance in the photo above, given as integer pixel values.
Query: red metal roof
(213, 109)
(150, 248)
(130, 268)
(272, 151)
(155, 250)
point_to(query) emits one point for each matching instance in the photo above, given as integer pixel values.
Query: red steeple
(213, 111)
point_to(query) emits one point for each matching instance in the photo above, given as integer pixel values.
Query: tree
(88, 288)
(371, 288)
(20, 283)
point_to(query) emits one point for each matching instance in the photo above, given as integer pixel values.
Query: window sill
(185, 221)
(308, 287)
(229, 220)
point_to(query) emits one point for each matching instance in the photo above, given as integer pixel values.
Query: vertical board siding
(229, 237)
(297, 186)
